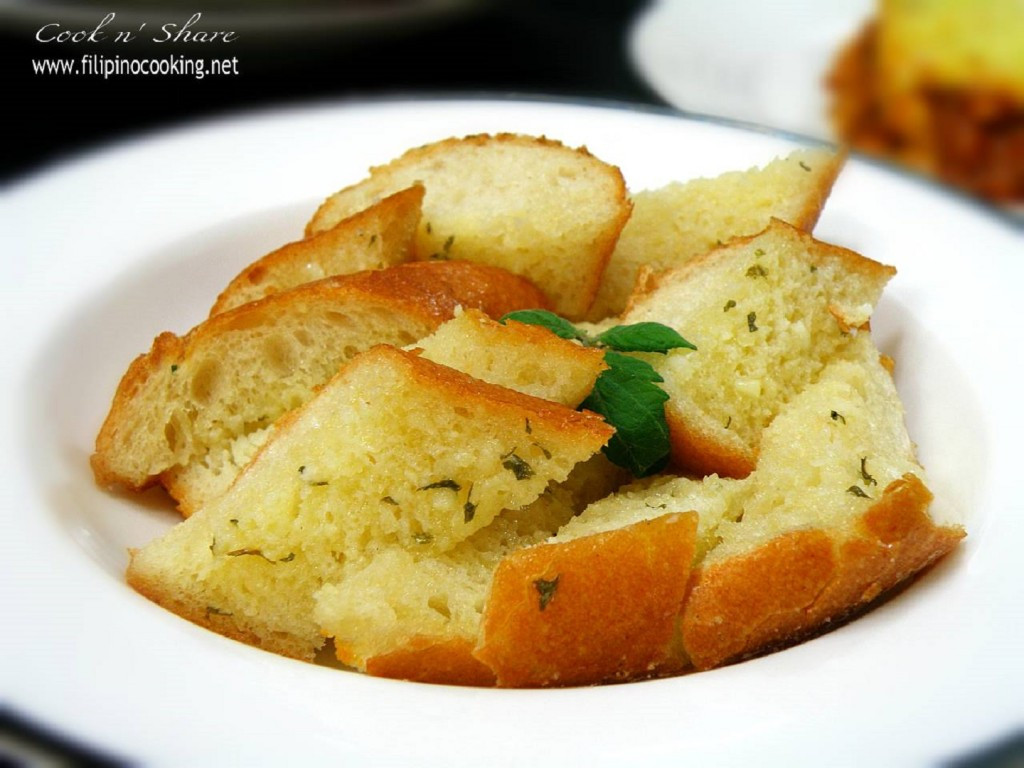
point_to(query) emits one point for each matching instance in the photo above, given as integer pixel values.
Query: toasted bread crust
(418, 296)
(450, 662)
(798, 582)
(818, 251)
(595, 609)
(209, 618)
(378, 237)
(584, 425)
(697, 452)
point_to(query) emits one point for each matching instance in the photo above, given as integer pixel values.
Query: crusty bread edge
(387, 207)
(800, 582)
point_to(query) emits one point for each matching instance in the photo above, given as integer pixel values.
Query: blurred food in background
(938, 85)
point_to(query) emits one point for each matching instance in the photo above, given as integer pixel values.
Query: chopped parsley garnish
(451, 485)
(517, 465)
(868, 479)
(546, 590)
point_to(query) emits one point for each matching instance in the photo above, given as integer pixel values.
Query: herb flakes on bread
(338, 480)
(191, 412)
(417, 464)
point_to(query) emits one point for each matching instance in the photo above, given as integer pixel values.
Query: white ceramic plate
(102, 253)
(759, 62)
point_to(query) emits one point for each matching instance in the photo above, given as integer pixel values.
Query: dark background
(563, 48)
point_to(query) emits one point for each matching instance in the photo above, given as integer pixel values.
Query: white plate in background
(102, 253)
(759, 62)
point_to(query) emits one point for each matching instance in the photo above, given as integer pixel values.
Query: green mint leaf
(557, 325)
(627, 366)
(643, 337)
(632, 403)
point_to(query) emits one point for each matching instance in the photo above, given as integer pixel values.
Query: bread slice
(836, 515)
(530, 205)
(380, 236)
(415, 615)
(526, 358)
(192, 411)
(682, 220)
(766, 313)
(394, 451)
(599, 608)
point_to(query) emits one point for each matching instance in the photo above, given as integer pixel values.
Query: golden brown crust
(492, 290)
(796, 583)
(450, 662)
(695, 452)
(425, 293)
(817, 251)
(209, 618)
(546, 414)
(595, 609)
(167, 349)
(394, 218)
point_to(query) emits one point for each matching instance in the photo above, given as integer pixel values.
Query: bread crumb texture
(338, 485)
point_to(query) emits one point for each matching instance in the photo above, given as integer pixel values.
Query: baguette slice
(767, 314)
(381, 236)
(836, 515)
(599, 608)
(675, 223)
(193, 410)
(394, 451)
(530, 205)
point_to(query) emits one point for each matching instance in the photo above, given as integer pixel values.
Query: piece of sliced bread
(530, 205)
(836, 515)
(526, 358)
(394, 451)
(414, 615)
(682, 220)
(191, 411)
(595, 609)
(766, 313)
(380, 236)
(399, 605)
(407, 613)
